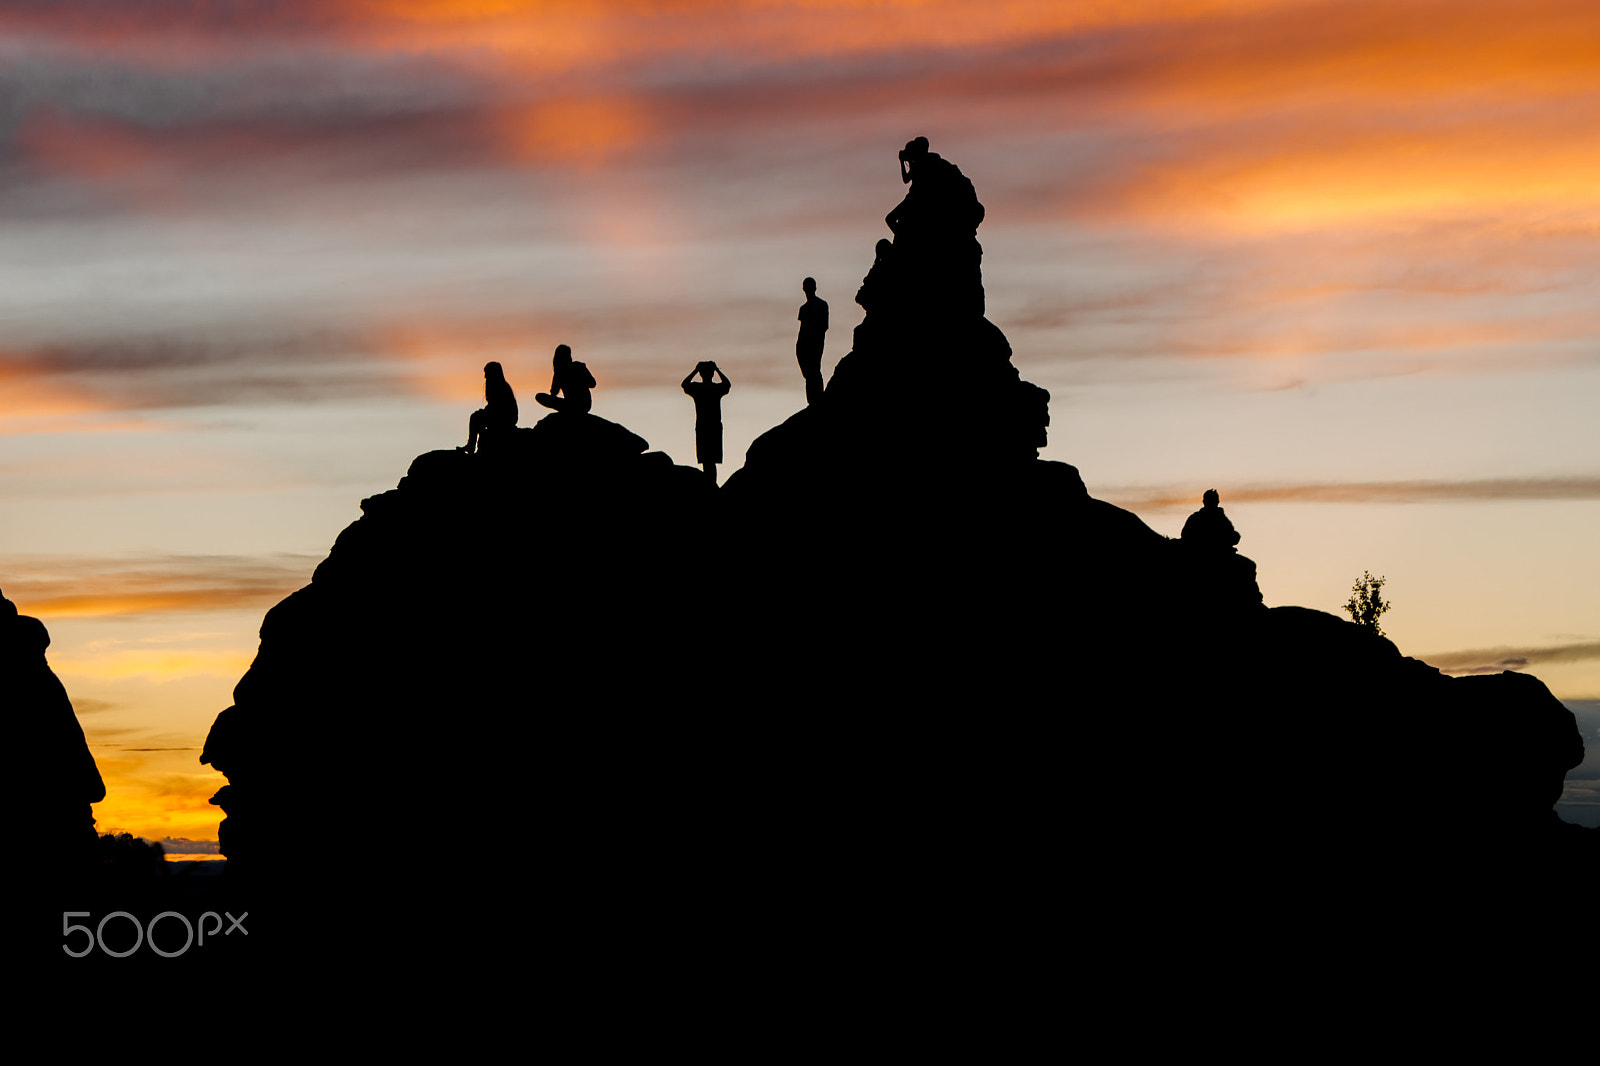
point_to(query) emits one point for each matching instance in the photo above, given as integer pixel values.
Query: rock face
(51, 788)
(888, 699)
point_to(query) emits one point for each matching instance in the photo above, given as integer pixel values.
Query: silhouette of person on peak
(941, 197)
(808, 347)
(572, 380)
(707, 395)
(499, 413)
(1209, 527)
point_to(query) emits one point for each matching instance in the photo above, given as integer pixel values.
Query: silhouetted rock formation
(53, 781)
(893, 702)
(923, 349)
(480, 667)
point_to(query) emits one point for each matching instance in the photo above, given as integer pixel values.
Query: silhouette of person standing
(498, 414)
(813, 331)
(707, 395)
(572, 380)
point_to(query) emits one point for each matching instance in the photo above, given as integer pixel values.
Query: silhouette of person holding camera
(813, 333)
(499, 413)
(707, 395)
(942, 201)
(572, 380)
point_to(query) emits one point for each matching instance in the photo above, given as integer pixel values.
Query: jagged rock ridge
(897, 674)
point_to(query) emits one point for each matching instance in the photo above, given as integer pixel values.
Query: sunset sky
(1339, 261)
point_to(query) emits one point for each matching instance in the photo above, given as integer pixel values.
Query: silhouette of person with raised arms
(808, 347)
(572, 380)
(707, 396)
(498, 414)
(1209, 527)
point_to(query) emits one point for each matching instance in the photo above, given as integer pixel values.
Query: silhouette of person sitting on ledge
(1209, 528)
(572, 381)
(707, 395)
(499, 413)
(808, 347)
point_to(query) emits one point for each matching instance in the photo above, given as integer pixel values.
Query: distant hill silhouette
(900, 698)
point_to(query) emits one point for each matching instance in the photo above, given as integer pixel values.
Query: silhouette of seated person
(497, 416)
(569, 385)
(942, 199)
(707, 395)
(1208, 528)
(808, 346)
(879, 289)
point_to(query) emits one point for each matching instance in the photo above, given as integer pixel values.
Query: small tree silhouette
(1367, 603)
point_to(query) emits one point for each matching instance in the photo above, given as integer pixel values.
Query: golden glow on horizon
(152, 665)
(149, 796)
(106, 605)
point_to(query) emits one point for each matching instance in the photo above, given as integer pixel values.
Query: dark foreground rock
(900, 706)
(50, 787)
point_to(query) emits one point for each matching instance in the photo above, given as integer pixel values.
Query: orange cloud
(582, 131)
(1250, 114)
(26, 393)
(560, 35)
(1533, 164)
(1364, 50)
(77, 147)
(53, 588)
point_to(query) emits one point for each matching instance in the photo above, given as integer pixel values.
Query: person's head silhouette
(493, 372)
(915, 150)
(809, 286)
(563, 355)
(1210, 499)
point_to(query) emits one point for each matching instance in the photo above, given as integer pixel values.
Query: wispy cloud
(459, 129)
(1495, 660)
(1552, 488)
(100, 588)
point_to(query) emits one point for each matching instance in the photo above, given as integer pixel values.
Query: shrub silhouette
(1366, 603)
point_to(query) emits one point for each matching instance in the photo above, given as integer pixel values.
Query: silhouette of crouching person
(707, 396)
(499, 413)
(572, 381)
